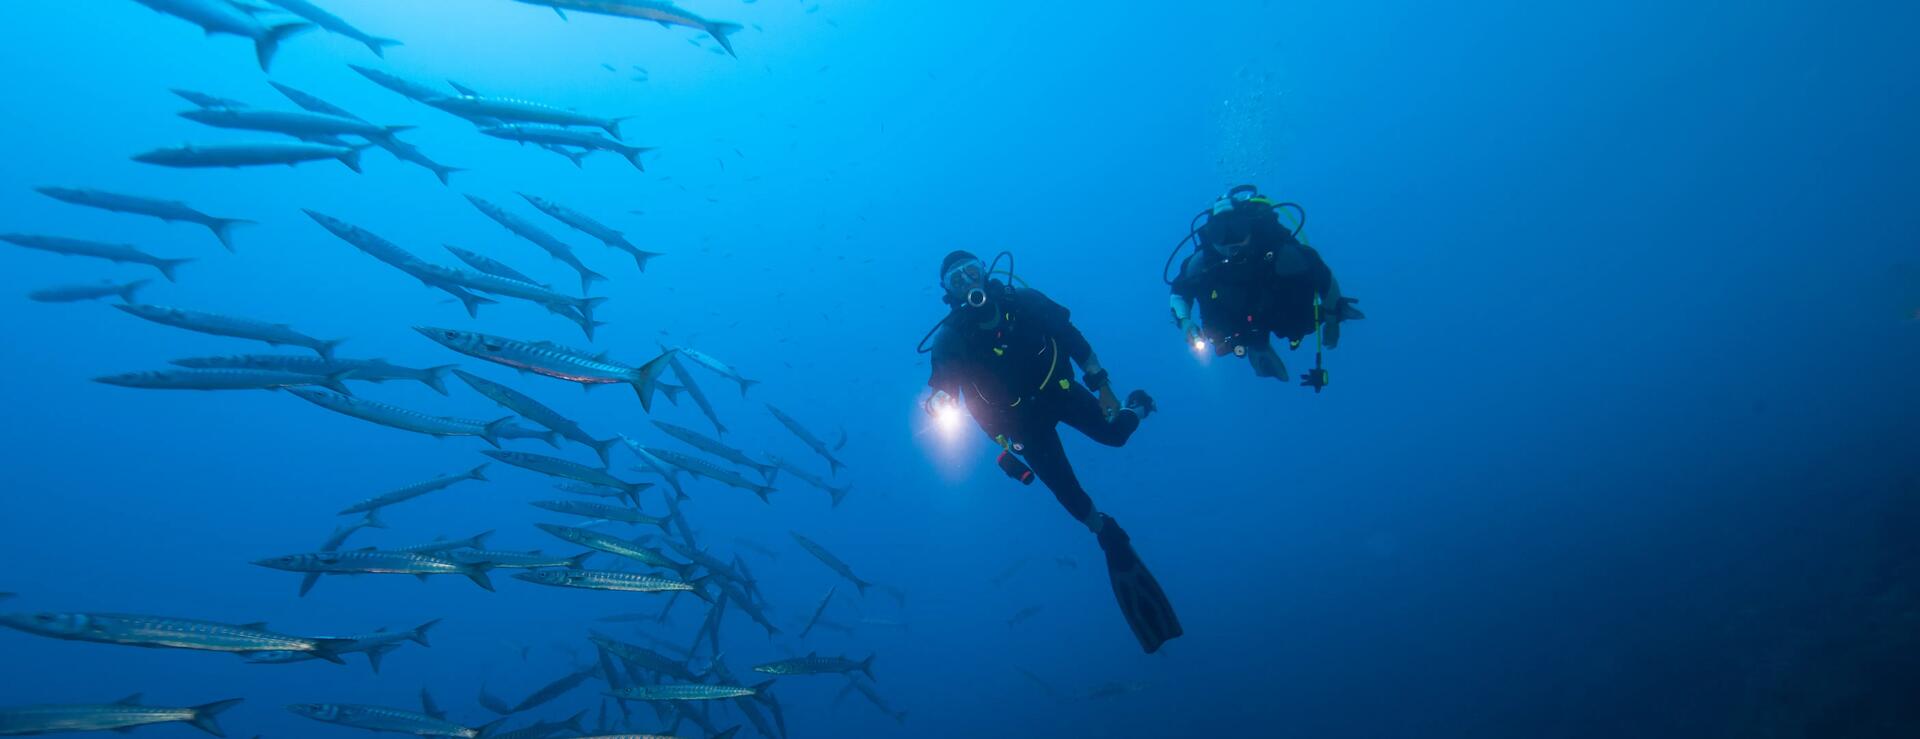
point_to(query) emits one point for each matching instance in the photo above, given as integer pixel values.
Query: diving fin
(1141, 600)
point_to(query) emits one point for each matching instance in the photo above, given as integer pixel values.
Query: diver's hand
(1191, 328)
(935, 401)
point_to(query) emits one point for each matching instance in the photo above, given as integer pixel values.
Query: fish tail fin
(436, 377)
(351, 158)
(763, 491)
(373, 520)
(445, 173)
(604, 448)
(330, 649)
(307, 582)
(479, 541)
(479, 472)
(841, 443)
(337, 382)
(866, 666)
(587, 306)
(220, 228)
(632, 153)
(379, 45)
(588, 277)
(862, 586)
(473, 303)
(552, 438)
(387, 132)
(166, 267)
(269, 42)
(376, 654)
(491, 432)
(641, 257)
(478, 574)
(419, 633)
(579, 560)
(760, 690)
(720, 33)
(613, 126)
(746, 383)
(646, 379)
(203, 715)
(834, 466)
(325, 349)
(839, 494)
(128, 290)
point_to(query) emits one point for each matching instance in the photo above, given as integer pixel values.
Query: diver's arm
(1183, 315)
(1329, 290)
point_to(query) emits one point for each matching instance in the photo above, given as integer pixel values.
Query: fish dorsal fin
(131, 700)
(464, 90)
(256, 626)
(605, 356)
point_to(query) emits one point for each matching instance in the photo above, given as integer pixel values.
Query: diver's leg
(1042, 451)
(1081, 410)
(1265, 361)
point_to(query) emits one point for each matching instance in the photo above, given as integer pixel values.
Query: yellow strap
(1056, 362)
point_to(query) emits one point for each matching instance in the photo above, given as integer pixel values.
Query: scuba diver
(1009, 353)
(1251, 277)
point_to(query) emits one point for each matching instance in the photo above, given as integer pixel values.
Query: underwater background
(1626, 446)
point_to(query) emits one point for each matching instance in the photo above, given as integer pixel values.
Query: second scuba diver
(1251, 277)
(1009, 353)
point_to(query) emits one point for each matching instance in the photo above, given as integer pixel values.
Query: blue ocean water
(1624, 448)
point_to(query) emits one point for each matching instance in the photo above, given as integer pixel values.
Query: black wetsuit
(1017, 378)
(1243, 300)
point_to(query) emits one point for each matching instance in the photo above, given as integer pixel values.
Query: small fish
(577, 310)
(705, 360)
(713, 446)
(553, 360)
(873, 696)
(704, 469)
(117, 253)
(162, 632)
(1024, 614)
(123, 715)
(817, 611)
(171, 211)
(412, 90)
(376, 646)
(229, 156)
(490, 266)
(659, 11)
(274, 334)
(587, 509)
(584, 224)
(688, 692)
(831, 561)
(392, 255)
(321, 128)
(367, 370)
(693, 391)
(414, 491)
(525, 229)
(376, 562)
(96, 291)
(608, 580)
(645, 658)
(813, 442)
(443, 545)
(615, 546)
(470, 105)
(205, 100)
(537, 412)
(232, 18)
(836, 493)
(556, 467)
(563, 140)
(534, 560)
(406, 420)
(394, 720)
(814, 664)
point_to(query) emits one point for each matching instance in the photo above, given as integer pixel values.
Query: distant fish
(566, 470)
(609, 580)
(225, 379)
(524, 229)
(693, 692)
(161, 632)
(714, 447)
(704, 469)
(232, 18)
(836, 493)
(601, 511)
(192, 156)
(490, 265)
(706, 360)
(123, 715)
(817, 611)
(1024, 614)
(361, 370)
(658, 11)
(299, 124)
(557, 688)
(333, 23)
(537, 412)
(657, 466)
(813, 442)
(400, 149)
(552, 360)
(407, 88)
(376, 562)
(577, 310)
(392, 255)
(376, 646)
(587, 141)
(414, 491)
(96, 291)
(207, 101)
(832, 562)
(534, 560)
(644, 658)
(118, 253)
(693, 391)
(170, 211)
(615, 546)
(873, 696)
(471, 105)
(584, 224)
(393, 720)
(403, 419)
(274, 334)
(814, 664)
(444, 545)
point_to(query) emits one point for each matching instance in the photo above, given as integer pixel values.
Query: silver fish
(567, 470)
(123, 715)
(77, 293)
(222, 16)
(306, 125)
(225, 379)
(365, 370)
(414, 491)
(688, 692)
(392, 255)
(171, 211)
(813, 442)
(563, 140)
(608, 580)
(704, 469)
(274, 334)
(837, 493)
(331, 22)
(399, 149)
(601, 511)
(201, 156)
(658, 11)
(553, 360)
(408, 88)
(204, 100)
(714, 447)
(376, 646)
(376, 562)
(534, 560)
(699, 396)
(832, 562)
(584, 224)
(814, 664)
(615, 546)
(525, 229)
(490, 266)
(705, 360)
(392, 720)
(470, 105)
(403, 419)
(578, 310)
(118, 253)
(537, 412)
(161, 632)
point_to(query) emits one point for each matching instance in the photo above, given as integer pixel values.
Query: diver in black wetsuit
(1250, 278)
(1009, 353)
